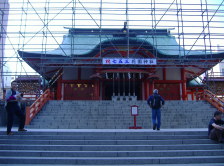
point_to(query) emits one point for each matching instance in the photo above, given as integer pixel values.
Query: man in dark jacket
(12, 97)
(215, 130)
(155, 101)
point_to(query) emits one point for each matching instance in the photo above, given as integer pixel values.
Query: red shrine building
(121, 64)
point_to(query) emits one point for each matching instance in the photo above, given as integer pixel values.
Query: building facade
(121, 64)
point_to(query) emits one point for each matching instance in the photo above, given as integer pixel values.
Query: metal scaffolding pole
(38, 27)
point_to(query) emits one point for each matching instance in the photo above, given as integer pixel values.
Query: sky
(26, 31)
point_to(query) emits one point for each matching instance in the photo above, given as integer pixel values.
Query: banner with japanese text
(129, 61)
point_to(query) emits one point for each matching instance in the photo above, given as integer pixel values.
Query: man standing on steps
(12, 97)
(215, 130)
(155, 101)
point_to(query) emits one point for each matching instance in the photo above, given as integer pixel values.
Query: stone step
(168, 108)
(105, 137)
(105, 142)
(198, 164)
(159, 153)
(111, 160)
(125, 132)
(117, 115)
(114, 114)
(94, 137)
(104, 125)
(111, 147)
(97, 127)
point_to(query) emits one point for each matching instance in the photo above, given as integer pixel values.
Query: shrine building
(121, 64)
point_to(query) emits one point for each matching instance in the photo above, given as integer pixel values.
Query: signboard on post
(129, 61)
(134, 110)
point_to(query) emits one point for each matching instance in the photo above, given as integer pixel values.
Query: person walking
(155, 102)
(12, 97)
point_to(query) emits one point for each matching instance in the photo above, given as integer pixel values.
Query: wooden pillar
(97, 89)
(59, 88)
(150, 83)
(144, 89)
(79, 72)
(184, 86)
(192, 95)
(164, 74)
(151, 87)
(184, 91)
(147, 91)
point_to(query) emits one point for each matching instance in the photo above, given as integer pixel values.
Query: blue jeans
(156, 115)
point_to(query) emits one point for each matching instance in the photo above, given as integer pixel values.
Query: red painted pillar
(151, 87)
(144, 89)
(192, 95)
(79, 73)
(97, 89)
(164, 74)
(147, 90)
(184, 86)
(184, 90)
(59, 88)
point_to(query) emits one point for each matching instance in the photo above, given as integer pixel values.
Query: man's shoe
(154, 127)
(9, 133)
(22, 130)
(158, 129)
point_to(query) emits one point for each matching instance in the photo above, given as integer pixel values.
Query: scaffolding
(39, 26)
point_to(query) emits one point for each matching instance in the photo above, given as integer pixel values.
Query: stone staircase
(117, 115)
(110, 147)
